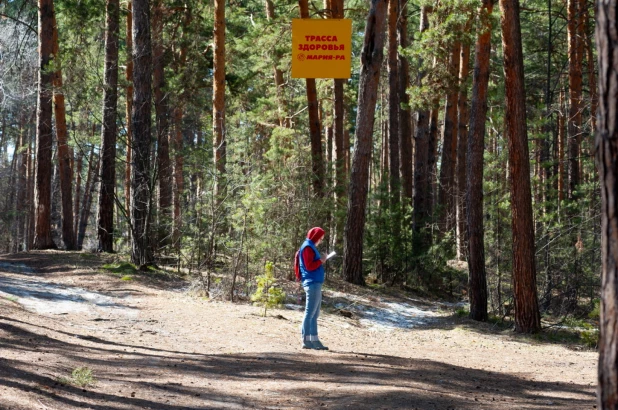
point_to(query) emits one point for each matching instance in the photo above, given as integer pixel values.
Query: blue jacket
(310, 276)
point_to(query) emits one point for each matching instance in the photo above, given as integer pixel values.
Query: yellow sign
(321, 48)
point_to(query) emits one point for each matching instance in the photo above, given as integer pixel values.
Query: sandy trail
(154, 348)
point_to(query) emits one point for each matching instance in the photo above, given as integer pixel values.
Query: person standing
(312, 277)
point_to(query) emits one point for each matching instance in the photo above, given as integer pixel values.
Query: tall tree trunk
(315, 134)
(218, 105)
(178, 180)
(161, 113)
(282, 111)
(393, 112)
(129, 106)
(405, 124)
(140, 185)
(606, 144)
(433, 154)
(527, 317)
(474, 178)
(422, 192)
(78, 192)
(462, 147)
(446, 195)
(561, 138)
(109, 131)
(371, 60)
(575, 91)
(30, 231)
(22, 184)
(42, 187)
(93, 171)
(592, 80)
(64, 157)
(339, 135)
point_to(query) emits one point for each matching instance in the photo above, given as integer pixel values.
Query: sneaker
(307, 345)
(317, 345)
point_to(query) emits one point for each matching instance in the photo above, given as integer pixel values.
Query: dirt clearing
(150, 345)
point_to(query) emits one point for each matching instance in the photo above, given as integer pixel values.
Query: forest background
(178, 136)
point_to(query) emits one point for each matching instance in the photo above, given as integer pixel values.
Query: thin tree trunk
(109, 131)
(405, 120)
(161, 113)
(42, 187)
(575, 90)
(339, 136)
(606, 144)
(140, 117)
(315, 133)
(527, 317)
(22, 184)
(561, 138)
(78, 193)
(433, 154)
(284, 121)
(93, 171)
(592, 80)
(178, 180)
(129, 107)
(447, 193)
(218, 105)
(462, 147)
(422, 196)
(30, 232)
(371, 60)
(474, 178)
(393, 114)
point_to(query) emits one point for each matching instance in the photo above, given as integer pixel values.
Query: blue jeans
(312, 310)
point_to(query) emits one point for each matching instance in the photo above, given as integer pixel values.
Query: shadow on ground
(132, 376)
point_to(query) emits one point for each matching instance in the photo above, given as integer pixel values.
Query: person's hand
(323, 258)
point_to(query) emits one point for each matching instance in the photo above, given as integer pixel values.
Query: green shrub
(80, 377)
(267, 294)
(590, 338)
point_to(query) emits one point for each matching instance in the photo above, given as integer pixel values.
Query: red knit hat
(315, 234)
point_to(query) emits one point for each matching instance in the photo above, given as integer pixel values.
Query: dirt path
(153, 348)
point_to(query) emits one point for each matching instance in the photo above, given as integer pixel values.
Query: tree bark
(129, 106)
(527, 317)
(78, 192)
(477, 280)
(575, 91)
(22, 184)
(284, 121)
(315, 133)
(405, 119)
(447, 193)
(462, 146)
(561, 174)
(218, 106)
(371, 60)
(109, 131)
(64, 157)
(178, 180)
(93, 171)
(606, 144)
(140, 184)
(30, 230)
(393, 113)
(422, 182)
(161, 113)
(43, 173)
(338, 136)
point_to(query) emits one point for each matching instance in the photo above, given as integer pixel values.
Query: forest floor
(151, 344)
